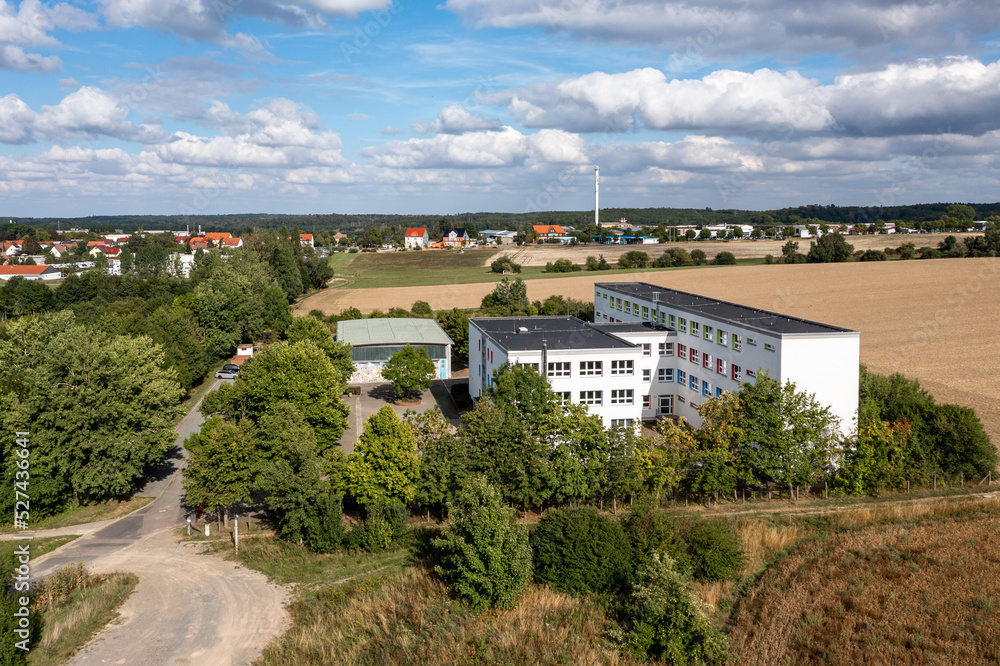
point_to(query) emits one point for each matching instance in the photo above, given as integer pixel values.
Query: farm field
(539, 255)
(932, 320)
(922, 593)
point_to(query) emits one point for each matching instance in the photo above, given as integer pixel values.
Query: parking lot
(375, 396)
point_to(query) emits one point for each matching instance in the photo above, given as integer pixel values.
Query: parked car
(225, 374)
(231, 367)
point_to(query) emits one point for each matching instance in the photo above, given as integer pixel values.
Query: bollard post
(206, 529)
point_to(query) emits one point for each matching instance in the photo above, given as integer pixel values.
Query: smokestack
(597, 195)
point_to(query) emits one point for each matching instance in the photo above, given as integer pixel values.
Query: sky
(111, 107)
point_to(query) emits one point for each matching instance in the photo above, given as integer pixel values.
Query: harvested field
(933, 320)
(925, 593)
(539, 255)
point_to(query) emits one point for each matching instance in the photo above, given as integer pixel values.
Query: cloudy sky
(356, 106)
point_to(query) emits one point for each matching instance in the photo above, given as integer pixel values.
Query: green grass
(70, 623)
(289, 563)
(369, 270)
(85, 514)
(38, 548)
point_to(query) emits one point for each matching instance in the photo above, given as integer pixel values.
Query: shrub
(650, 530)
(421, 309)
(374, 535)
(664, 619)
(579, 550)
(769, 259)
(715, 551)
(504, 264)
(318, 314)
(725, 259)
(873, 255)
(485, 556)
(325, 533)
(698, 257)
(680, 257)
(633, 259)
(561, 266)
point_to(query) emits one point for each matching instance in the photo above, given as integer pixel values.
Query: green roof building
(374, 341)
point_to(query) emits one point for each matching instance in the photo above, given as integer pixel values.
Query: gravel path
(188, 608)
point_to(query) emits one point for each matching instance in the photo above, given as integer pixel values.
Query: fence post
(935, 482)
(907, 485)
(825, 490)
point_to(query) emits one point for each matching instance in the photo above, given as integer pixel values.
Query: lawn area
(38, 548)
(86, 514)
(368, 270)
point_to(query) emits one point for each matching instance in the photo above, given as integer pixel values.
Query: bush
(579, 550)
(664, 619)
(561, 266)
(325, 533)
(698, 257)
(504, 265)
(318, 314)
(485, 557)
(650, 530)
(769, 259)
(873, 255)
(633, 259)
(715, 551)
(725, 259)
(421, 309)
(374, 535)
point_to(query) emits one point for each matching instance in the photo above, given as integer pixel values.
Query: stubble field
(539, 255)
(933, 320)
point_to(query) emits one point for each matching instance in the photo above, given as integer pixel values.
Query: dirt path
(188, 608)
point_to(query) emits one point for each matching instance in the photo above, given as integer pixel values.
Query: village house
(416, 237)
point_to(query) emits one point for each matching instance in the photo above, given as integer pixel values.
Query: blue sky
(359, 106)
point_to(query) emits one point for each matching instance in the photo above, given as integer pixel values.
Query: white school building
(655, 351)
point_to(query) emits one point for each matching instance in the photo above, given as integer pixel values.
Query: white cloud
(956, 94)
(697, 30)
(389, 130)
(16, 120)
(502, 148)
(14, 58)
(208, 20)
(457, 120)
(358, 117)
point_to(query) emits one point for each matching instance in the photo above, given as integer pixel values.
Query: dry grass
(408, 618)
(74, 606)
(922, 593)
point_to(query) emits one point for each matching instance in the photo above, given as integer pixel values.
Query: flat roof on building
(555, 332)
(755, 318)
(392, 331)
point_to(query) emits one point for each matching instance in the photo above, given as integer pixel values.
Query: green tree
(485, 556)
(456, 324)
(786, 435)
(698, 257)
(223, 466)
(100, 411)
(384, 464)
(962, 212)
(410, 370)
(339, 353)
(299, 374)
(521, 391)
(444, 465)
(665, 620)
(504, 265)
(725, 259)
(633, 259)
(509, 297)
(580, 550)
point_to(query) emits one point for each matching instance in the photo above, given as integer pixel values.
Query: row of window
(678, 323)
(588, 368)
(618, 397)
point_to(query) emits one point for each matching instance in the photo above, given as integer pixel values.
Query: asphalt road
(188, 608)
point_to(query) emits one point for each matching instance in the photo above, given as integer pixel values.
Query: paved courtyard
(375, 396)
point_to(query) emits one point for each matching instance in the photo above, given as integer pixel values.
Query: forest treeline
(648, 217)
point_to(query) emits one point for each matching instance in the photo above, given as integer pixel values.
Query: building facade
(416, 237)
(374, 341)
(654, 352)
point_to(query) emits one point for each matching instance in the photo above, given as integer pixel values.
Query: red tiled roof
(231, 241)
(548, 229)
(416, 232)
(25, 270)
(217, 235)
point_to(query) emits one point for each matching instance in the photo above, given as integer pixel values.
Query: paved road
(188, 608)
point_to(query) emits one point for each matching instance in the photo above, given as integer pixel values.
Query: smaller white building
(416, 237)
